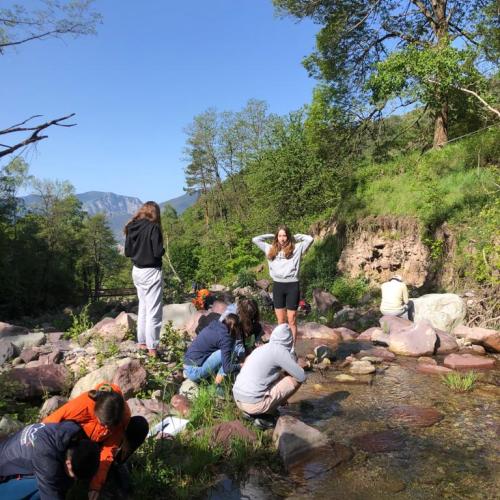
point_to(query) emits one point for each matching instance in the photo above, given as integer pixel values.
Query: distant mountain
(117, 208)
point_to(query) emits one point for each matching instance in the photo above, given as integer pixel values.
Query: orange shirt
(81, 411)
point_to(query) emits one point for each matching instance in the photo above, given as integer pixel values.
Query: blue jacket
(213, 337)
(40, 450)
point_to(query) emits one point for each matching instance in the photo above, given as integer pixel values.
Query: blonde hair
(150, 211)
(276, 247)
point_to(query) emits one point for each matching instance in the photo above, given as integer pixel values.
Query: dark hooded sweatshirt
(40, 450)
(144, 243)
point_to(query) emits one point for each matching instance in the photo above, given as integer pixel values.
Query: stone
(41, 380)
(51, 405)
(7, 351)
(27, 340)
(477, 349)
(295, 439)
(263, 284)
(151, 409)
(55, 356)
(414, 416)
(391, 324)
(218, 288)
(380, 337)
(443, 310)
(178, 314)
(447, 343)
(28, 355)
(433, 369)
(361, 367)
(378, 352)
(313, 330)
(425, 360)
(343, 377)
(372, 359)
(180, 405)
(418, 340)
(323, 352)
(468, 362)
(223, 433)
(346, 334)
(189, 389)
(367, 334)
(54, 337)
(379, 441)
(324, 301)
(8, 330)
(127, 373)
(243, 291)
(492, 343)
(116, 329)
(488, 338)
(9, 426)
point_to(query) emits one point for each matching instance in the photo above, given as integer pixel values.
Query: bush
(80, 323)
(246, 278)
(349, 291)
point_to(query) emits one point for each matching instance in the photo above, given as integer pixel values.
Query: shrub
(349, 291)
(80, 323)
(245, 278)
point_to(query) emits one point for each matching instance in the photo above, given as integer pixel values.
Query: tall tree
(372, 51)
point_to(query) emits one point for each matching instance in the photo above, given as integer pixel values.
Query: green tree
(372, 51)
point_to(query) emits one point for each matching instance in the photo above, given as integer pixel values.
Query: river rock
(324, 301)
(414, 416)
(7, 351)
(380, 337)
(344, 378)
(488, 338)
(127, 373)
(41, 380)
(433, 369)
(378, 352)
(225, 432)
(468, 362)
(367, 334)
(446, 342)
(27, 340)
(313, 330)
(8, 330)
(346, 334)
(51, 405)
(181, 405)
(189, 389)
(425, 360)
(418, 340)
(9, 426)
(444, 310)
(178, 314)
(392, 324)
(361, 368)
(151, 409)
(294, 439)
(379, 441)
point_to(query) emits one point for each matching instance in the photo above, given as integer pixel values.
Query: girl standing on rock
(283, 256)
(144, 245)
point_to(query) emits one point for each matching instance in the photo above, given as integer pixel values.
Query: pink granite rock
(468, 362)
(392, 324)
(40, 380)
(346, 334)
(414, 416)
(417, 340)
(433, 369)
(367, 334)
(447, 343)
(318, 331)
(378, 352)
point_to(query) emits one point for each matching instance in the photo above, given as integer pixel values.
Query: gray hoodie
(262, 368)
(282, 269)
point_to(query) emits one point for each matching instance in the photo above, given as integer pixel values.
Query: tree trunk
(441, 126)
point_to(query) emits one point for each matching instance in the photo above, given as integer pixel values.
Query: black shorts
(286, 295)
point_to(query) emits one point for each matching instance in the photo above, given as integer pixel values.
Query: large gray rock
(7, 350)
(41, 380)
(9, 426)
(27, 340)
(127, 373)
(444, 310)
(418, 340)
(295, 440)
(51, 405)
(178, 314)
(189, 389)
(325, 301)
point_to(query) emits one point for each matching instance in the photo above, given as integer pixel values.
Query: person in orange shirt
(105, 418)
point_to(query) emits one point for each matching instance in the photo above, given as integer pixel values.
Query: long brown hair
(150, 211)
(276, 248)
(248, 312)
(233, 325)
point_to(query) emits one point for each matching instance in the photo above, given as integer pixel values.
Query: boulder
(446, 342)
(189, 389)
(28, 355)
(468, 362)
(488, 338)
(51, 405)
(378, 352)
(317, 331)
(40, 380)
(380, 337)
(414, 416)
(361, 367)
(151, 409)
(8, 330)
(27, 340)
(346, 334)
(492, 343)
(367, 334)
(116, 329)
(418, 340)
(9, 426)
(391, 324)
(295, 440)
(324, 301)
(127, 373)
(444, 310)
(379, 441)
(7, 350)
(178, 314)
(180, 405)
(432, 369)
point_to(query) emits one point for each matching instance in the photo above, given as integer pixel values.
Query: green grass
(460, 382)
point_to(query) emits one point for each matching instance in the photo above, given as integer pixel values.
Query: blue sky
(140, 81)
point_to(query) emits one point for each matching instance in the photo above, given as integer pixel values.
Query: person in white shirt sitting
(395, 300)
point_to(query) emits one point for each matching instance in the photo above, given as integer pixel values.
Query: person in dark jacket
(42, 460)
(211, 352)
(144, 245)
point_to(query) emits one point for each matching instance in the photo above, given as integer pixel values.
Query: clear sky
(140, 81)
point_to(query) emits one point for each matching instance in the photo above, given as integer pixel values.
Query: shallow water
(456, 458)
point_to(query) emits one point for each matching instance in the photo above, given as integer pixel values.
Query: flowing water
(456, 458)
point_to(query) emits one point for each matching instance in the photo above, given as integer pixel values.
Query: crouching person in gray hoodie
(260, 386)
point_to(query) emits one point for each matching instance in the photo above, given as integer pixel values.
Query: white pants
(149, 284)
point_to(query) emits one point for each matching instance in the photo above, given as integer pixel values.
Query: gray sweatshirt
(282, 269)
(262, 368)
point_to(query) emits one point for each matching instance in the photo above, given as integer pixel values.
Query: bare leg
(292, 323)
(280, 315)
